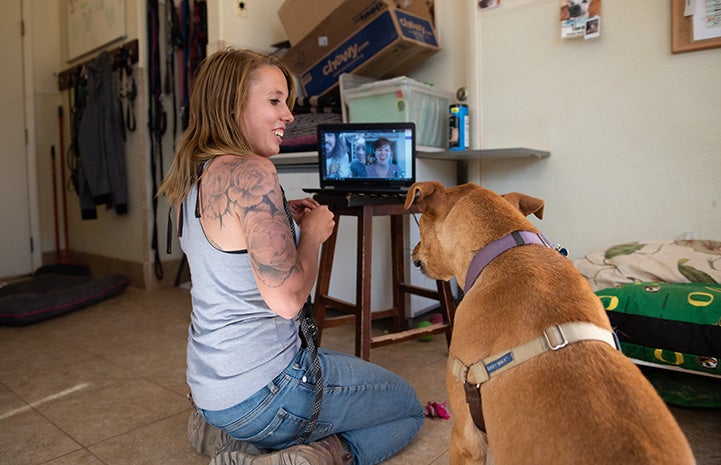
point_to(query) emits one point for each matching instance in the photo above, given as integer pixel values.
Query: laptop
(375, 159)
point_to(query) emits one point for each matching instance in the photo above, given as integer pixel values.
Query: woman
(337, 162)
(358, 165)
(248, 370)
(382, 166)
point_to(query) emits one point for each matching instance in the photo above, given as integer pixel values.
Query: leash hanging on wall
(157, 122)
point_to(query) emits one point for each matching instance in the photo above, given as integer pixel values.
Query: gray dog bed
(51, 294)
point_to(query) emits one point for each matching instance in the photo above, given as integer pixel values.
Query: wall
(256, 30)
(111, 243)
(633, 130)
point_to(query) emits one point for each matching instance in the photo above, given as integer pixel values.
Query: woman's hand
(300, 207)
(318, 224)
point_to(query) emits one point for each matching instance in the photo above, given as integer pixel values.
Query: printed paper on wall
(580, 18)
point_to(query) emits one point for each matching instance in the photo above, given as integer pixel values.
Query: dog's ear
(594, 8)
(525, 203)
(564, 12)
(420, 192)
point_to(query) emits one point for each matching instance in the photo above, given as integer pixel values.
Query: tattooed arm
(242, 208)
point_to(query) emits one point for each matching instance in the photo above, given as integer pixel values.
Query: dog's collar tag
(487, 254)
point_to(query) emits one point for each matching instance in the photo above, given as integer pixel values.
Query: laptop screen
(366, 156)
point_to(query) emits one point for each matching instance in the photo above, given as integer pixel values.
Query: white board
(92, 24)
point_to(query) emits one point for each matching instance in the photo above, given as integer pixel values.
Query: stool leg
(398, 271)
(448, 306)
(324, 270)
(363, 284)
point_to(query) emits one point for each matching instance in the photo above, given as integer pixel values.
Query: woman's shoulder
(241, 170)
(251, 165)
(242, 159)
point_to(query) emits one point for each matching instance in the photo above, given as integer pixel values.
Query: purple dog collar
(496, 248)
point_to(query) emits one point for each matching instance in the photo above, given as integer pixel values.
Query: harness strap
(473, 399)
(185, 58)
(487, 254)
(156, 123)
(554, 338)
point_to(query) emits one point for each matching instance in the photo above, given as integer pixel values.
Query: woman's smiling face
(384, 154)
(265, 113)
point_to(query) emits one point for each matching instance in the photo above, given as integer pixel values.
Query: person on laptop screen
(358, 165)
(338, 163)
(383, 165)
(252, 366)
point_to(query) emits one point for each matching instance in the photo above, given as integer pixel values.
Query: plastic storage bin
(401, 99)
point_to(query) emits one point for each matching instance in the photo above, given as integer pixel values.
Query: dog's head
(576, 8)
(457, 222)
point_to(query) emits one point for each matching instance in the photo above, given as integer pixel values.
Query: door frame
(26, 42)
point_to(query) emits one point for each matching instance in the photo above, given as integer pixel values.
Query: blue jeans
(374, 410)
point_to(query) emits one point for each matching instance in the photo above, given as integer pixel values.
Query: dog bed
(671, 325)
(51, 294)
(664, 302)
(682, 261)
(685, 389)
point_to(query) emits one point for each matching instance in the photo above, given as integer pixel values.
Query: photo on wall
(488, 4)
(580, 18)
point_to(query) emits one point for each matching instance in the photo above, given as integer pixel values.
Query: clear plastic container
(400, 99)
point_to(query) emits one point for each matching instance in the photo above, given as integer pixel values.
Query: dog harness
(553, 338)
(497, 247)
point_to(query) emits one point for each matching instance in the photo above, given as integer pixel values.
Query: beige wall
(633, 130)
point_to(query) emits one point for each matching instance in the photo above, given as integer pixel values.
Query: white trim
(31, 146)
(673, 368)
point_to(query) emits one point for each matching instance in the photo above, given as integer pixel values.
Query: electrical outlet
(241, 9)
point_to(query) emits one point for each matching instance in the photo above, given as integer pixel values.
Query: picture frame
(682, 32)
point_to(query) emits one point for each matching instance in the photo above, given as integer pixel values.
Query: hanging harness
(128, 88)
(553, 338)
(157, 122)
(174, 41)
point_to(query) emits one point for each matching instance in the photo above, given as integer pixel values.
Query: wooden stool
(365, 208)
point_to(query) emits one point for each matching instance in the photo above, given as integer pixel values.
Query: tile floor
(105, 385)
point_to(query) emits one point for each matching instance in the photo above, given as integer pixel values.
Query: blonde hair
(216, 104)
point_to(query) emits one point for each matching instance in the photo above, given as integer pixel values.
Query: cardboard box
(373, 38)
(299, 17)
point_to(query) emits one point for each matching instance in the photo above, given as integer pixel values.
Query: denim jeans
(374, 410)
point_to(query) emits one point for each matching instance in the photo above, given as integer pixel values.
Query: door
(15, 246)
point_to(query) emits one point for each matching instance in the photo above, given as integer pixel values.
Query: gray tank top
(236, 344)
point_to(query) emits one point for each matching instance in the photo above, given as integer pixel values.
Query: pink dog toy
(437, 410)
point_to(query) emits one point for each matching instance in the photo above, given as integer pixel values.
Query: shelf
(432, 153)
(295, 158)
(465, 155)
(308, 161)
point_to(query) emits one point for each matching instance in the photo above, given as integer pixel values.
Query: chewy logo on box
(350, 54)
(416, 28)
(392, 40)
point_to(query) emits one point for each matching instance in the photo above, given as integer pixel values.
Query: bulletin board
(682, 32)
(92, 24)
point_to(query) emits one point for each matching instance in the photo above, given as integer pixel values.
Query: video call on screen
(350, 154)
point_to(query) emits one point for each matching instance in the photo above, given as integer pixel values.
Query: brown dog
(576, 399)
